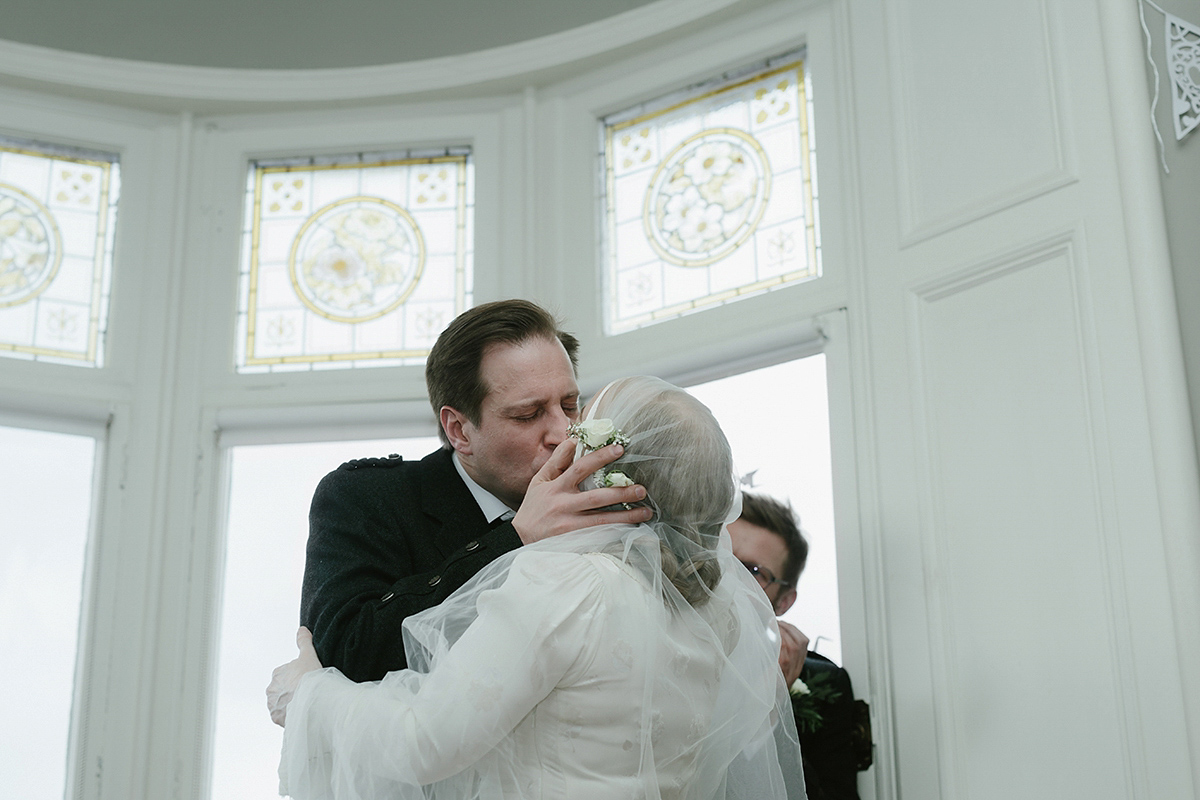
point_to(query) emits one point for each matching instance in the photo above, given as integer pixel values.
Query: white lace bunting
(1183, 65)
(1182, 45)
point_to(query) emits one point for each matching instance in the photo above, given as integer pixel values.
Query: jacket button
(472, 546)
(435, 580)
(387, 597)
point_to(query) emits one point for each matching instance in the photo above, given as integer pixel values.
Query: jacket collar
(445, 497)
(493, 507)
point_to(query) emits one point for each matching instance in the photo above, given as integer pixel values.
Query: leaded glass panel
(710, 195)
(356, 261)
(58, 209)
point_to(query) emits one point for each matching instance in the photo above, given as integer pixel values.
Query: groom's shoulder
(388, 470)
(384, 462)
(438, 459)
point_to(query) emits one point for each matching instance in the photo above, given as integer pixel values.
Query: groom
(389, 538)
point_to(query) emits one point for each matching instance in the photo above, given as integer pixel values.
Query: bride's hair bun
(678, 452)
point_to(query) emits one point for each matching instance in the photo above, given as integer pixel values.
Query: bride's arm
(418, 729)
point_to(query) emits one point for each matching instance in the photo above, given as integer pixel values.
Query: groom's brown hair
(452, 371)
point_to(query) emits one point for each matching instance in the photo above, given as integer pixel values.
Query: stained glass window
(58, 209)
(355, 261)
(710, 195)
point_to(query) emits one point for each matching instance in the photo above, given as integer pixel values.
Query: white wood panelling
(977, 120)
(1014, 538)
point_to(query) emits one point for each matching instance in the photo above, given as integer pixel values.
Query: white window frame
(113, 661)
(570, 247)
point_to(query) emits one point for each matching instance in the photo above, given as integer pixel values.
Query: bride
(630, 661)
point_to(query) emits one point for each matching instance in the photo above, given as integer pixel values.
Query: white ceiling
(290, 34)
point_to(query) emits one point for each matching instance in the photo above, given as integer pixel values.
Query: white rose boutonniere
(811, 700)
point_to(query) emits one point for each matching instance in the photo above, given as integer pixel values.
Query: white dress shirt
(493, 507)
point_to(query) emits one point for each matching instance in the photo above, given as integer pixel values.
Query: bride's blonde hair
(678, 452)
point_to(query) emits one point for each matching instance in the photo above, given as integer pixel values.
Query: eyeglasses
(763, 575)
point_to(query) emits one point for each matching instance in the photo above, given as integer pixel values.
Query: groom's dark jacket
(388, 538)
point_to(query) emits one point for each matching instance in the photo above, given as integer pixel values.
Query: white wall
(1019, 467)
(1016, 514)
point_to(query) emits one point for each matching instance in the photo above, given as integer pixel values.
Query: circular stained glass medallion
(357, 259)
(30, 247)
(707, 197)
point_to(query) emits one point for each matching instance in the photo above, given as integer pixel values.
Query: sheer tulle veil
(697, 599)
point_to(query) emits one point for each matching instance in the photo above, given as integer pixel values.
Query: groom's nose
(557, 423)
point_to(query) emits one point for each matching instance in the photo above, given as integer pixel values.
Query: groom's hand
(554, 504)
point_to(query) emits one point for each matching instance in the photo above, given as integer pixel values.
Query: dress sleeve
(345, 740)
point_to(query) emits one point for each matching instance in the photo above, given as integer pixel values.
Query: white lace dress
(562, 671)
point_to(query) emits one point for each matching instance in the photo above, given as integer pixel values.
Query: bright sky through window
(271, 488)
(46, 497)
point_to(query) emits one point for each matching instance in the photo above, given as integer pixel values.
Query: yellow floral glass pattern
(710, 196)
(355, 261)
(30, 246)
(57, 214)
(707, 197)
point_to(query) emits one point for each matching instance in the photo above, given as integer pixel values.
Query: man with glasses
(834, 741)
(768, 541)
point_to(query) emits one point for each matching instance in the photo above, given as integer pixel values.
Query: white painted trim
(864, 638)
(1177, 474)
(175, 81)
(56, 415)
(209, 578)
(324, 423)
(763, 348)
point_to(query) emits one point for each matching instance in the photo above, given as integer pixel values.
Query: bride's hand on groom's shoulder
(554, 504)
(286, 678)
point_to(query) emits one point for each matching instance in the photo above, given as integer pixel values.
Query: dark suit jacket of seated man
(389, 538)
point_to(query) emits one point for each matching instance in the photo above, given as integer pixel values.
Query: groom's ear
(454, 423)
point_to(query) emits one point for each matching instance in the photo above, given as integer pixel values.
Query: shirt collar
(492, 507)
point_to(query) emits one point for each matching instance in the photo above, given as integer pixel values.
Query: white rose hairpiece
(594, 434)
(597, 433)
